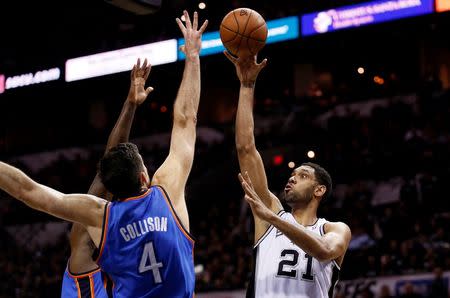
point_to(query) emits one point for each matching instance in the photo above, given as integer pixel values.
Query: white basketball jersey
(284, 270)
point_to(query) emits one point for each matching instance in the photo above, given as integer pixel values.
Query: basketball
(243, 32)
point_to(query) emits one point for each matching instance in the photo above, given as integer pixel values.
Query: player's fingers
(248, 189)
(147, 71)
(138, 63)
(247, 178)
(263, 63)
(133, 70)
(248, 199)
(180, 24)
(187, 20)
(203, 27)
(182, 48)
(229, 56)
(195, 23)
(240, 177)
(145, 63)
(148, 90)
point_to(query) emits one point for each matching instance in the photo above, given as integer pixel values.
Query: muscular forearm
(245, 139)
(309, 242)
(14, 181)
(121, 130)
(188, 98)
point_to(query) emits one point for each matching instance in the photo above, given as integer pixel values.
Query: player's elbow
(245, 146)
(327, 253)
(184, 118)
(324, 253)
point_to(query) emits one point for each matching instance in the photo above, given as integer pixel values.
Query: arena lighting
(26, 79)
(378, 80)
(163, 109)
(120, 60)
(361, 70)
(278, 159)
(202, 5)
(183, 18)
(311, 154)
(291, 164)
(278, 30)
(363, 14)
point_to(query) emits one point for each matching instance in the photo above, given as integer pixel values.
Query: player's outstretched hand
(192, 35)
(139, 74)
(247, 68)
(252, 198)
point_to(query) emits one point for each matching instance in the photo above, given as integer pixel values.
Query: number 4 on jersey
(149, 254)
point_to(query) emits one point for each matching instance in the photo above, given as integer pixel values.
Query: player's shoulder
(337, 226)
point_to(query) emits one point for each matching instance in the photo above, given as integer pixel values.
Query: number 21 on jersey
(289, 260)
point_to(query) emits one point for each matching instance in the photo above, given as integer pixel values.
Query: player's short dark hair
(120, 169)
(322, 176)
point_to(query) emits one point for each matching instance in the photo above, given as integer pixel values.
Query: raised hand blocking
(192, 35)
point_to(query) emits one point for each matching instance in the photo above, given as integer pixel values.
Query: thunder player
(143, 235)
(297, 254)
(83, 277)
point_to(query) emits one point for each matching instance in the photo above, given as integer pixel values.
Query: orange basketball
(243, 32)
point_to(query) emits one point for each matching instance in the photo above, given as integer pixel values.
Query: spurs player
(297, 254)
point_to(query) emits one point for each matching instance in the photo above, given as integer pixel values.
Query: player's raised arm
(137, 94)
(174, 172)
(330, 246)
(85, 209)
(250, 161)
(81, 249)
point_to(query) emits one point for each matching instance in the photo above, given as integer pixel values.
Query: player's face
(300, 186)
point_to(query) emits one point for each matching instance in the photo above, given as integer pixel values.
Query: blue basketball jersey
(144, 248)
(91, 284)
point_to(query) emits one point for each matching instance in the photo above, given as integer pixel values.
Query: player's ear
(320, 190)
(145, 179)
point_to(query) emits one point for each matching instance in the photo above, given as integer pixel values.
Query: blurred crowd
(388, 158)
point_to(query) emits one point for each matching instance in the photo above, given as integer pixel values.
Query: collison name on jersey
(141, 227)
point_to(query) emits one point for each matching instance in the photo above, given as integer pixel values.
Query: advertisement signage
(363, 14)
(120, 60)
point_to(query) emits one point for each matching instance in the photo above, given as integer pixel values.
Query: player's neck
(305, 215)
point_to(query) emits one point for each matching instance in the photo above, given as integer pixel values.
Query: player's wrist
(131, 102)
(248, 84)
(193, 57)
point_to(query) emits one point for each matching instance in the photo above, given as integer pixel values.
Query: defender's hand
(192, 36)
(139, 75)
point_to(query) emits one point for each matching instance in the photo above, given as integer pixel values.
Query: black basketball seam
(231, 31)
(237, 23)
(257, 29)
(255, 39)
(248, 39)
(248, 19)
